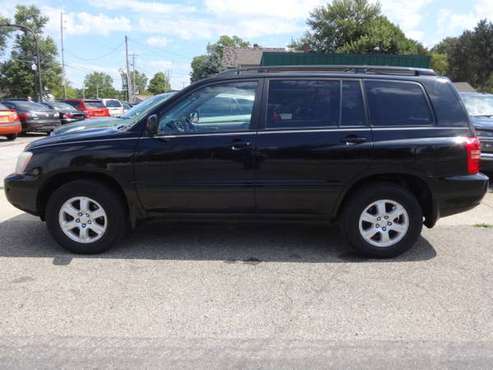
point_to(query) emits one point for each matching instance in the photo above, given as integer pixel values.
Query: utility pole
(63, 57)
(129, 89)
(97, 91)
(134, 88)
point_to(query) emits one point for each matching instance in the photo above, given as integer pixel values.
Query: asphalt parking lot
(244, 296)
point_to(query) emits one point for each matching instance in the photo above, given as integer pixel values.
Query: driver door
(202, 159)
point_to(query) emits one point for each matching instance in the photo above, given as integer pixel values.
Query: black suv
(379, 150)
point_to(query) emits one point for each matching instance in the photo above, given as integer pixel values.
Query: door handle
(353, 139)
(238, 146)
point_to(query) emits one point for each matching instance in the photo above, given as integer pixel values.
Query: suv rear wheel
(383, 220)
(85, 217)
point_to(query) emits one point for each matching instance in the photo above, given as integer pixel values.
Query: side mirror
(152, 125)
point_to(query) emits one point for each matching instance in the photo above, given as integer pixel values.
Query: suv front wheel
(382, 220)
(85, 217)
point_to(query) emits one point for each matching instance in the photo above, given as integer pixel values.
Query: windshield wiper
(483, 115)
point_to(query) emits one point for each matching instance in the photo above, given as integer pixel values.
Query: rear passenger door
(402, 121)
(315, 138)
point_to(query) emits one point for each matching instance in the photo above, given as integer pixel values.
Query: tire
(361, 216)
(11, 137)
(99, 233)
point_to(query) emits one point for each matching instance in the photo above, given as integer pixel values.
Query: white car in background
(114, 106)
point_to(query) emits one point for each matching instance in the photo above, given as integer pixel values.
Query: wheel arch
(60, 179)
(413, 183)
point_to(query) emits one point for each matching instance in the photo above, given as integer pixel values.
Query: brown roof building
(245, 57)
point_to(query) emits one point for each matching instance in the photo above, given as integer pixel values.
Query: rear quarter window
(446, 102)
(397, 103)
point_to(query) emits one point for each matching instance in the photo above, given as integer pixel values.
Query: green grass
(484, 226)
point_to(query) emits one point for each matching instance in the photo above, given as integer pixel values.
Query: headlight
(22, 162)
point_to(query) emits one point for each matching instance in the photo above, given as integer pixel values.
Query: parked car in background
(10, 126)
(68, 114)
(127, 118)
(115, 107)
(34, 117)
(92, 108)
(379, 150)
(480, 109)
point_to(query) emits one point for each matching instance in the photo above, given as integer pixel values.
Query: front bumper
(22, 192)
(457, 194)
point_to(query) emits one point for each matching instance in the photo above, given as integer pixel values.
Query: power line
(112, 51)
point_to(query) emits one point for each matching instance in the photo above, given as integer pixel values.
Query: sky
(166, 35)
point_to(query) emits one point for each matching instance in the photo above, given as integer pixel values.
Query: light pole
(38, 57)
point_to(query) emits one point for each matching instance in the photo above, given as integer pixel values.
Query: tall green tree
(470, 56)
(16, 75)
(159, 83)
(354, 26)
(204, 66)
(99, 85)
(140, 82)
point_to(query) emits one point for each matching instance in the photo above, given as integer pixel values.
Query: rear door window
(94, 103)
(303, 104)
(396, 103)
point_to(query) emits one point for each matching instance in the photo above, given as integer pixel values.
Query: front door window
(216, 108)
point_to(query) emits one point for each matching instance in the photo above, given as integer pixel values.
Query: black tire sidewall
(361, 200)
(111, 203)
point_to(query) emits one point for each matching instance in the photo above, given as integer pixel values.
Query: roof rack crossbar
(362, 69)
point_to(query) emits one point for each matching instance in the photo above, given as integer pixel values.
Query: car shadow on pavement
(249, 243)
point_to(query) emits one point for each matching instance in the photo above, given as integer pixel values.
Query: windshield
(141, 109)
(112, 103)
(62, 106)
(479, 105)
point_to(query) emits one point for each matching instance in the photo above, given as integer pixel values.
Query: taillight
(24, 115)
(13, 117)
(473, 150)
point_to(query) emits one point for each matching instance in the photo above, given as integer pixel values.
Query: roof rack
(361, 69)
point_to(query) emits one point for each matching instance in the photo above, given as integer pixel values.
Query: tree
(99, 85)
(16, 75)
(470, 56)
(159, 83)
(439, 63)
(204, 66)
(140, 81)
(354, 26)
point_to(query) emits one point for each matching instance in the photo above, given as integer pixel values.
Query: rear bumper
(10, 128)
(22, 192)
(40, 126)
(457, 194)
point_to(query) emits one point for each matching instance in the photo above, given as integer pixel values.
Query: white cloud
(157, 41)
(451, 24)
(83, 23)
(287, 9)
(160, 64)
(187, 28)
(142, 6)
